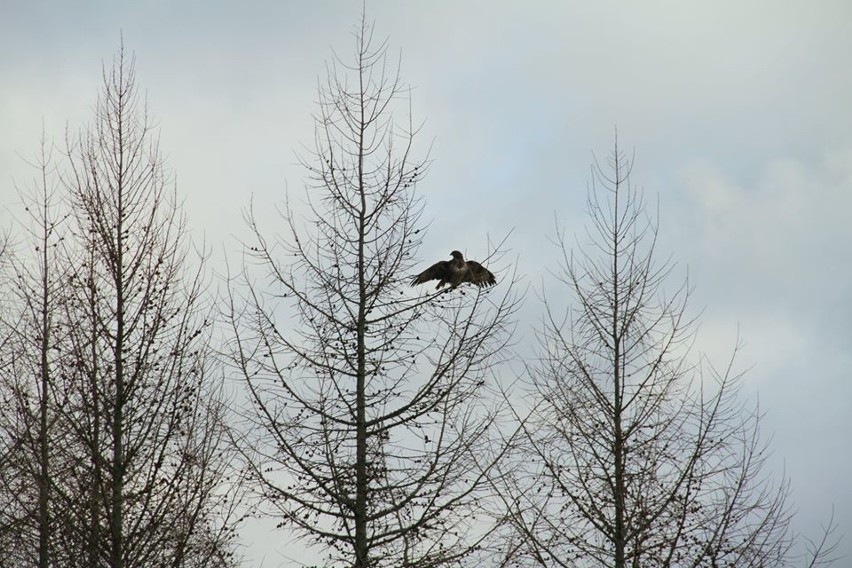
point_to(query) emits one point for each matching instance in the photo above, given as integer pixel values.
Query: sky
(738, 113)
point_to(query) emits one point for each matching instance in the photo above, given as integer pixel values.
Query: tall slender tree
(637, 453)
(365, 428)
(145, 451)
(30, 325)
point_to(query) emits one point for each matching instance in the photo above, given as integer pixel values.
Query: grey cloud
(738, 111)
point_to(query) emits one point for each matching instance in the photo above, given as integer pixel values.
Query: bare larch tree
(365, 428)
(636, 452)
(27, 373)
(143, 456)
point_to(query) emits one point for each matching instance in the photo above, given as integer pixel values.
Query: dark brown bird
(454, 272)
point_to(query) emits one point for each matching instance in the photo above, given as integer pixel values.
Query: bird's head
(456, 255)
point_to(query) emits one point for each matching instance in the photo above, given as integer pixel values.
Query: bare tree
(636, 453)
(27, 374)
(144, 457)
(365, 428)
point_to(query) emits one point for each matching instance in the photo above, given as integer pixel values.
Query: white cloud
(781, 237)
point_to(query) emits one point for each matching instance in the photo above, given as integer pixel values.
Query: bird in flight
(454, 272)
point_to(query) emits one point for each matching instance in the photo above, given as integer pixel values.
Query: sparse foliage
(636, 453)
(365, 429)
(28, 358)
(118, 419)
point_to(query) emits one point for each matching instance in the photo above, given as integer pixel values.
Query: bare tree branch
(365, 427)
(634, 453)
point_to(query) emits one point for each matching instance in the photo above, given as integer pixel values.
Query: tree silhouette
(27, 373)
(118, 418)
(365, 430)
(636, 453)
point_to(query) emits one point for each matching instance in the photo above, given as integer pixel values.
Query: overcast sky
(740, 114)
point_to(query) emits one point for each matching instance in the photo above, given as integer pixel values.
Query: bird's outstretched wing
(438, 271)
(479, 275)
